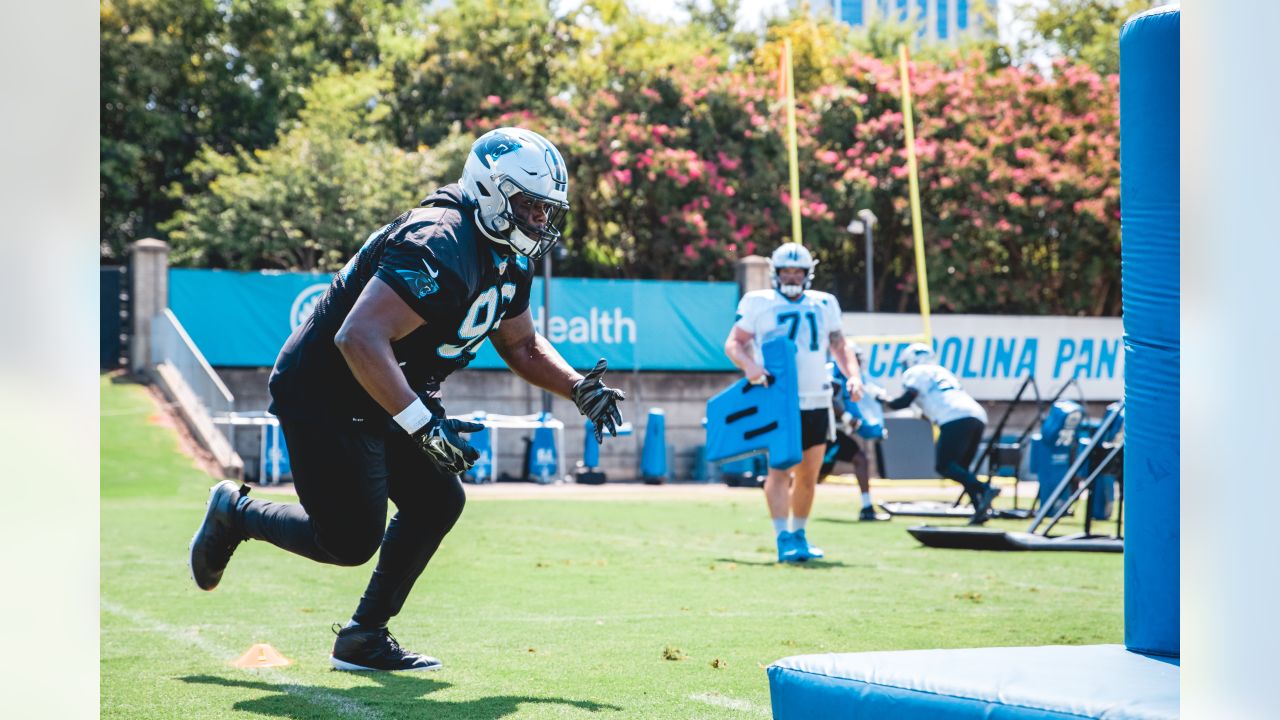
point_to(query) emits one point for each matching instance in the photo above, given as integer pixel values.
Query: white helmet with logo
(916, 354)
(514, 163)
(792, 255)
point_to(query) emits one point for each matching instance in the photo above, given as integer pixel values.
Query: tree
(293, 132)
(161, 80)
(1019, 178)
(310, 200)
(469, 57)
(719, 20)
(177, 76)
(816, 41)
(1086, 31)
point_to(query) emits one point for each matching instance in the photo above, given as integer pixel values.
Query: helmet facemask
(531, 221)
(793, 290)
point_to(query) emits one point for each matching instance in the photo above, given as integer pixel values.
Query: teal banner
(242, 318)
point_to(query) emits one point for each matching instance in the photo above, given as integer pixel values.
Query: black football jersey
(439, 263)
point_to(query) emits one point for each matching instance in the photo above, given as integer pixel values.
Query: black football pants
(958, 442)
(344, 474)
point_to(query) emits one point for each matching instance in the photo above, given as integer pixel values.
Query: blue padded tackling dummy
(747, 418)
(1054, 682)
(1150, 262)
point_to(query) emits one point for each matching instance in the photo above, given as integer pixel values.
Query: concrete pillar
(752, 273)
(149, 268)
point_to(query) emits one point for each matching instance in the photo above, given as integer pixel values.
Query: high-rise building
(945, 21)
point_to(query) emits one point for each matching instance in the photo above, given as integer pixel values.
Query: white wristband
(413, 417)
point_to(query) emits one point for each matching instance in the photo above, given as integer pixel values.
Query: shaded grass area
(542, 609)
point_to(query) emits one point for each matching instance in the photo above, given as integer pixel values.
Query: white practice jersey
(939, 395)
(808, 321)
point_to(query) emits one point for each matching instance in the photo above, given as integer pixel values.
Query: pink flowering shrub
(677, 176)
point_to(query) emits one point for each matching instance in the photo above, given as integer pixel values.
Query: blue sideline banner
(242, 318)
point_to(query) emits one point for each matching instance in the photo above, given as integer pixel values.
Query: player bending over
(960, 420)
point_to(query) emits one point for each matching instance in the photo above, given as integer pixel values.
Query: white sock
(866, 499)
(797, 524)
(779, 526)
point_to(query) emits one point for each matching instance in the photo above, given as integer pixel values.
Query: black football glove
(599, 402)
(440, 441)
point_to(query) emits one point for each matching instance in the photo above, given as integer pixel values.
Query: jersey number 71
(794, 319)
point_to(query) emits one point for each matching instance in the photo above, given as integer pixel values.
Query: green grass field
(546, 609)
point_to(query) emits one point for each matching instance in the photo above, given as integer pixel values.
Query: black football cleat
(982, 506)
(869, 514)
(359, 648)
(218, 536)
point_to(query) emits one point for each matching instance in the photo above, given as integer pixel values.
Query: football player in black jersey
(357, 386)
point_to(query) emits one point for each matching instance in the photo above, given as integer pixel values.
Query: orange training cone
(261, 655)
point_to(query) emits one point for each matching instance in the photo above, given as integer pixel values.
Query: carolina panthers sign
(990, 354)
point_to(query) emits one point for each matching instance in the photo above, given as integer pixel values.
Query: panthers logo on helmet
(495, 147)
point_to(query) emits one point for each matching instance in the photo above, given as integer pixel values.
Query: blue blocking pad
(747, 418)
(1150, 258)
(1054, 682)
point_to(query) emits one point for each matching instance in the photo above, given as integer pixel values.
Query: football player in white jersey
(960, 420)
(811, 319)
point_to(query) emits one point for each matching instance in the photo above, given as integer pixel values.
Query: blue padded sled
(746, 418)
(1053, 682)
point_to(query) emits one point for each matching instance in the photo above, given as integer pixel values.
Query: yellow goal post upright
(786, 84)
(788, 87)
(917, 232)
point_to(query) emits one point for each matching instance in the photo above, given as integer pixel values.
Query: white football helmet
(916, 354)
(516, 163)
(792, 255)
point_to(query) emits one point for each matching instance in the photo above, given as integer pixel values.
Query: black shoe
(218, 536)
(361, 648)
(982, 505)
(869, 514)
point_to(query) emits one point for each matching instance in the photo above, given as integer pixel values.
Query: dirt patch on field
(165, 415)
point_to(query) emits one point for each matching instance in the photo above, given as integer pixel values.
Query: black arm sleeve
(901, 401)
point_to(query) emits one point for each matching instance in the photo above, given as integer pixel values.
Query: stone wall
(682, 396)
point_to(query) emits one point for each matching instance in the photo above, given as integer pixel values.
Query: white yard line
(724, 701)
(326, 700)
